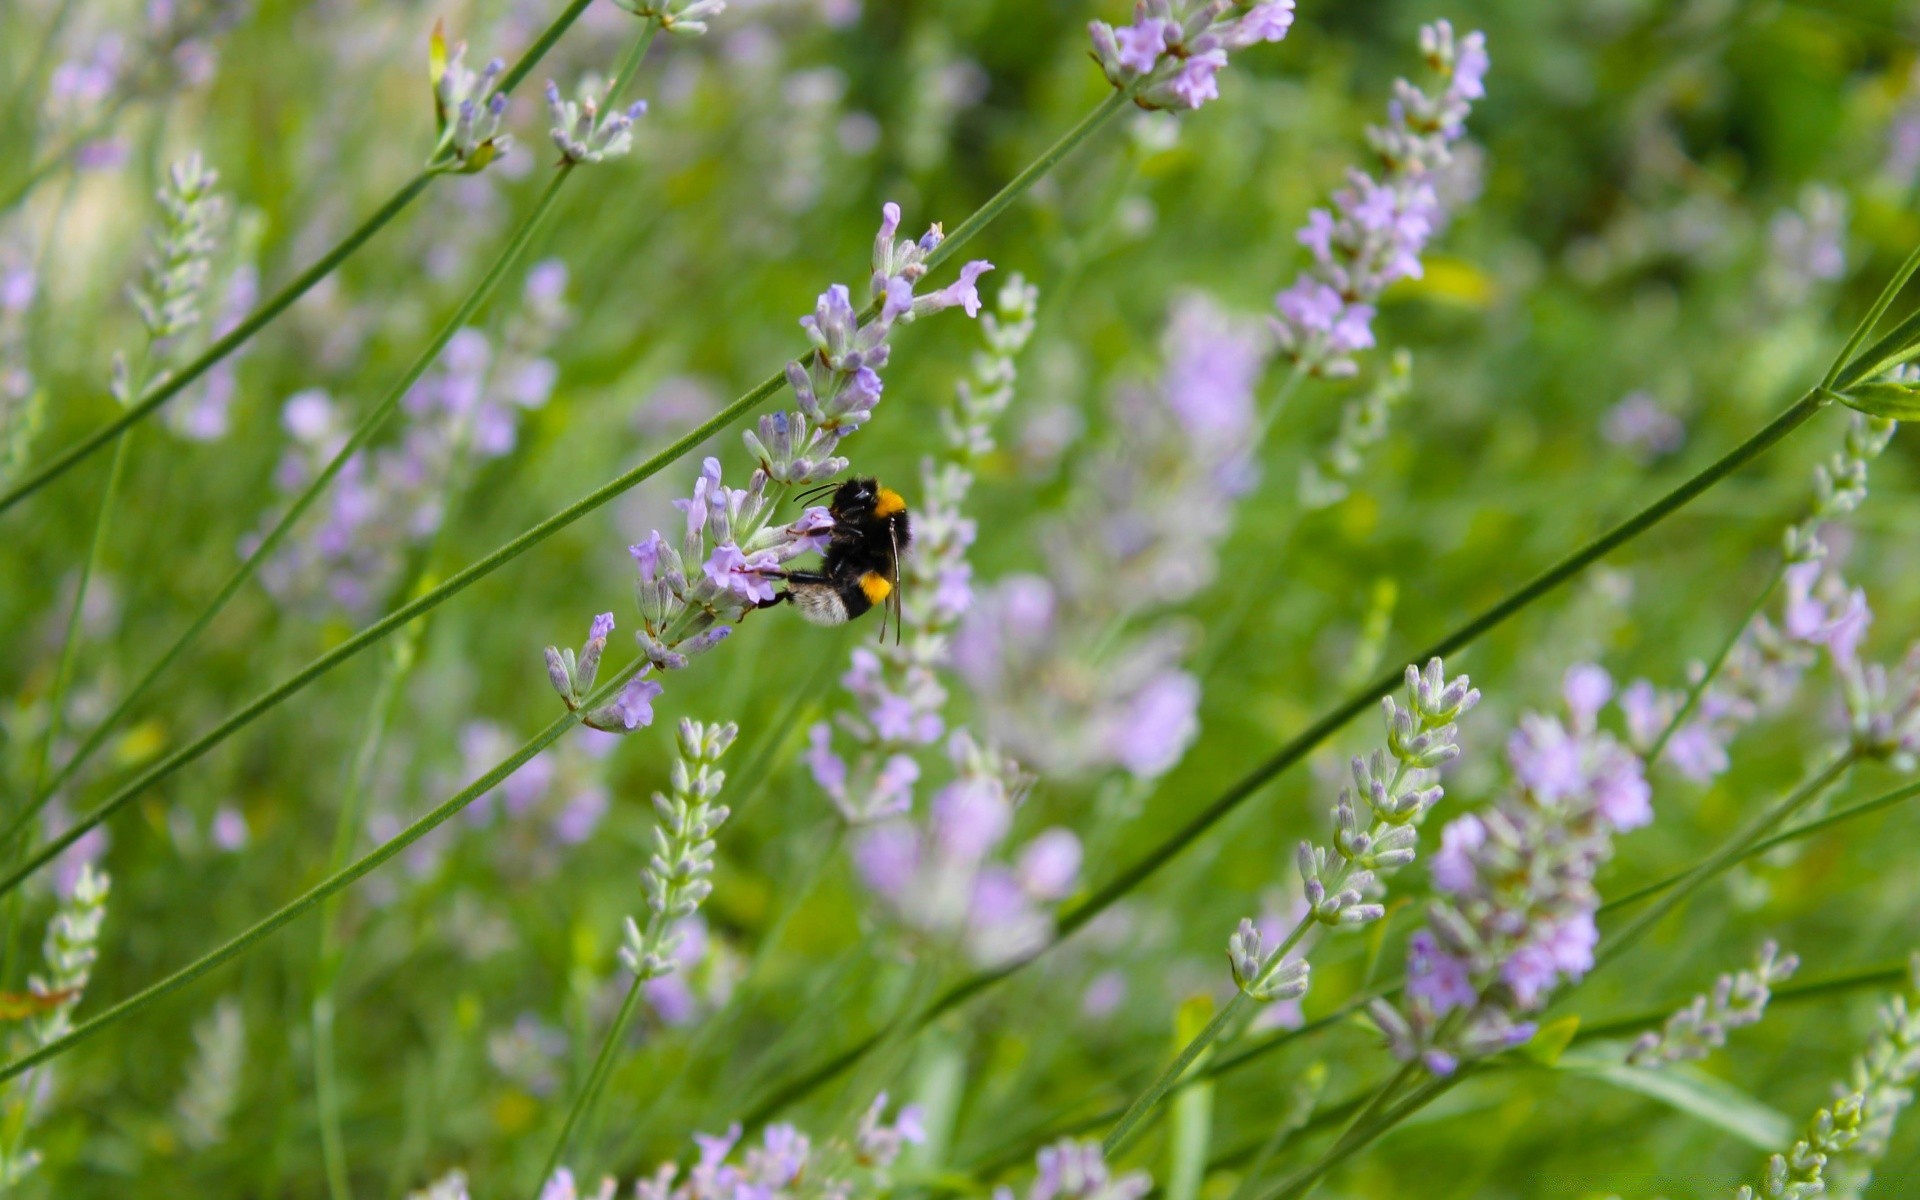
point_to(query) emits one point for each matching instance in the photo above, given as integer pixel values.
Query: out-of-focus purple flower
(1158, 724)
(1378, 229)
(1639, 424)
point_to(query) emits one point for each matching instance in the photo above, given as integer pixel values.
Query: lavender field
(959, 599)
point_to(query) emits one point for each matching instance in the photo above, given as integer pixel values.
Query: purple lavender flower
(1069, 1170)
(942, 878)
(1513, 917)
(786, 1164)
(1378, 228)
(1168, 57)
(390, 499)
(1639, 424)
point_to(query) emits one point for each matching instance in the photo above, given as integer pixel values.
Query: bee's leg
(803, 578)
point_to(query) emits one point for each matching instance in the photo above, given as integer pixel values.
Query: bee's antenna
(810, 493)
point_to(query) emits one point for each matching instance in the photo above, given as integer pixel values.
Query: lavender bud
(560, 676)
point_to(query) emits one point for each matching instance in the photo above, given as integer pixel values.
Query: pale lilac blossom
(1169, 56)
(1378, 228)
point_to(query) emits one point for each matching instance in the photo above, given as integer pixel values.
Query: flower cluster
(676, 880)
(1379, 227)
(467, 108)
(837, 386)
(1070, 1170)
(1764, 669)
(688, 18)
(1882, 1077)
(201, 413)
(1737, 1000)
(731, 554)
(1800, 1173)
(22, 406)
(943, 880)
(169, 298)
(206, 1103)
(1078, 671)
(1514, 912)
(785, 1165)
(1327, 479)
(898, 688)
(72, 944)
(1807, 244)
(583, 134)
(1169, 55)
(390, 500)
(1336, 881)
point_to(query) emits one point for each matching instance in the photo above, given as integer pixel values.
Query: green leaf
(1546, 1046)
(1895, 401)
(1692, 1091)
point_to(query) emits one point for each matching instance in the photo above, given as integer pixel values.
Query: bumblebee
(860, 567)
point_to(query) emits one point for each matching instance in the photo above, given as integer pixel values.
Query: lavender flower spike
(676, 880)
(469, 111)
(1379, 227)
(837, 386)
(1702, 1027)
(1170, 54)
(169, 297)
(1070, 1170)
(1515, 900)
(1337, 880)
(583, 135)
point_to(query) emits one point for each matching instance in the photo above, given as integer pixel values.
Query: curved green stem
(1699, 686)
(319, 892)
(1131, 877)
(1119, 1137)
(281, 300)
(1731, 851)
(596, 1079)
(70, 645)
(326, 1088)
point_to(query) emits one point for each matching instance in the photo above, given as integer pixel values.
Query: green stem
(261, 317)
(1304, 743)
(362, 434)
(596, 1079)
(455, 584)
(1699, 688)
(1731, 851)
(1346, 1148)
(70, 646)
(1862, 331)
(1785, 836)
(326, 1088)
(329, 886)
(1016, 187)
(1119, 1137)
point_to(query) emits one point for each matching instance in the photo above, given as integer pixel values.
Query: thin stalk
(1730, 852)
(1699, 687)
(1118, 1138)
(363, 433)
(458, 582)
(326, 1089)
(70, 645)
(319, 892)
(280, 301)
(1785, 836)
(1017, 187)
(1422, 1096)
(596, 1078)
(1867, 323)
(1131, 877)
